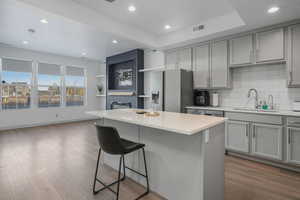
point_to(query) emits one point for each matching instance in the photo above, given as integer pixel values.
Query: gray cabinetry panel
(241, 50)
(259, 118)
(219, 64)
(294, 58)
(293, 145)
(185, 59)
(270, 45)
(237, 136)
(267, 141)
(171, 60)
(201, 60)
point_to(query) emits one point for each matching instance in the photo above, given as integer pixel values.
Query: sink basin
(253, 109)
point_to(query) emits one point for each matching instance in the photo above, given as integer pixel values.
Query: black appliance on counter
(201, 98)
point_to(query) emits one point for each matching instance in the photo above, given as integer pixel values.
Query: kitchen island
(185, 152)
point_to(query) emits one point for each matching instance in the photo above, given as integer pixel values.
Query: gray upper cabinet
(219, 64)
(270, 45)
(294, 58)
(171, 60)
(185, 59)
(237, 136)
(179, 59)
(241, 50)
(293, 145)
(267, 141)
(201, 66)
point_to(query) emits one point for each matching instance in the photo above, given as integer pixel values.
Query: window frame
(85, 86)
(37, 84)
(31, 83)
(34, 97)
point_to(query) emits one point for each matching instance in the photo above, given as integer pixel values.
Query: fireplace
(124, 82)
(120, 105)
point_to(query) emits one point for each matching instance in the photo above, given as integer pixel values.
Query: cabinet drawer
(258, 118)
(293, 121)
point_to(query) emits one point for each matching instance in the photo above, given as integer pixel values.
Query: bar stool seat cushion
(130, 146)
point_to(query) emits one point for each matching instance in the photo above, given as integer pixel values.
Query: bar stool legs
(121, 161)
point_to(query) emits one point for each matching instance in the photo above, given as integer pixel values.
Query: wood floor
(57, 163)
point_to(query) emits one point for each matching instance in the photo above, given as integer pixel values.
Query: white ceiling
(153, 15)
(77, 26)
(61, 35)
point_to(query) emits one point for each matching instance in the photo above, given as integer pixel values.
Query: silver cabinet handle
(291, 78)
(289, 137)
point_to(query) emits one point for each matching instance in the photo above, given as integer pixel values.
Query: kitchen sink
(253, 109)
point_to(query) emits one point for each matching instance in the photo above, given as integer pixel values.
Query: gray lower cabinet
(237, 136)
(267, 141)
(293, 145)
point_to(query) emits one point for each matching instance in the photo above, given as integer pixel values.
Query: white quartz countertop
(233, 109)
(187, 124)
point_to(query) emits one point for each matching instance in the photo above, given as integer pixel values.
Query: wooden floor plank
(57, 162)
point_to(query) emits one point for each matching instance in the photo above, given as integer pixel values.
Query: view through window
(75, 86)
(16, 84)
(49, 85)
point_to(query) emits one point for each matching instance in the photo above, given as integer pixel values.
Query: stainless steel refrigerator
(178, 90)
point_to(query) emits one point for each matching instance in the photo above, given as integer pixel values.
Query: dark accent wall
(129, 60)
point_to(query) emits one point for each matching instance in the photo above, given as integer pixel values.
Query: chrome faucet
(256, 96)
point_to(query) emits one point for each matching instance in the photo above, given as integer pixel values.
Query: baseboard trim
(267, 162)
(46, 123)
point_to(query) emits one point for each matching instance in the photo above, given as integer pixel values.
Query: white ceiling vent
(198, 28)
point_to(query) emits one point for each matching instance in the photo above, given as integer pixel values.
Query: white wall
(40, 116)
(267, 79)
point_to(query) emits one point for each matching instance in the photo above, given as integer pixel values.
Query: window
(49, 85)
(16, 79)
(75, 86)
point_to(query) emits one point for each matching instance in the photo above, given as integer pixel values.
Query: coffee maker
(201, 98)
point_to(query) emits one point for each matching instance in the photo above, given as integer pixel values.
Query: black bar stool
(111, 143)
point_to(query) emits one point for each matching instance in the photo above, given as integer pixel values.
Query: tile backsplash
(267, 79)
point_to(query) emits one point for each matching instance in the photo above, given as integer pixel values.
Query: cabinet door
(237, 136)
(219, 64)
(172, 60)
(267, 141)
(201, 66)
(270, 45)
(294, 58)
(294, 145)
(185, 59)
(241, 50)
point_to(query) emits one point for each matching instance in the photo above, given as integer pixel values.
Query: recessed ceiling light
(83, 54)
(44, 21)
(167, 26)
(25, 42)
(131, 8)
(115, 41)
(273, 9)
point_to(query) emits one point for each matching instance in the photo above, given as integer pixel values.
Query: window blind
(16, 65)
(49, 69)
(74, 71)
